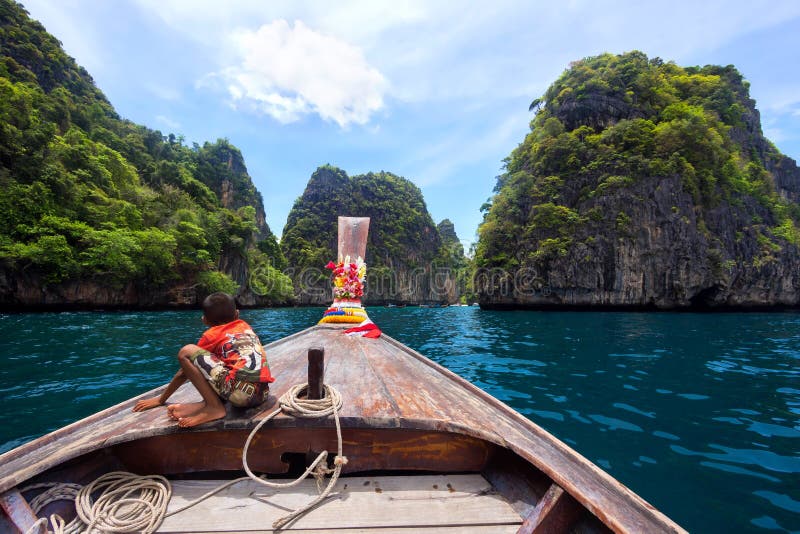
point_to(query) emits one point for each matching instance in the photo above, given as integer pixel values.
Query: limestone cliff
(643, 184)
(96, 211)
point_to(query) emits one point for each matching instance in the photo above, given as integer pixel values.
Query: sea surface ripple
(697, 413)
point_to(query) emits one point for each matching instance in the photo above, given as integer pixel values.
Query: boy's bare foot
(204, 415)
(176, 411)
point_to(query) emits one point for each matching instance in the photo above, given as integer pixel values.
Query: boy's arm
(176, 382)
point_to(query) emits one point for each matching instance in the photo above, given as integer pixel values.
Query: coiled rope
(127, 503)
(132, 503)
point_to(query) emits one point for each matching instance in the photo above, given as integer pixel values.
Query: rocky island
(643, 184)
(408, 260)
(99, 212)
(96, 211)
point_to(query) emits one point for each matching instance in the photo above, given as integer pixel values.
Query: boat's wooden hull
(402, 413)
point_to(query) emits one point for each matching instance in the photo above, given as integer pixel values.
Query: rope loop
(292, 403)
(55, 491)
(132, 503)
(127, 503)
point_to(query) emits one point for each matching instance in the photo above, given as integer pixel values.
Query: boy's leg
(211, 408)
(178, 410)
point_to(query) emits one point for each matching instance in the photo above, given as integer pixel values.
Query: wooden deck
(385, 386)
(375, 505)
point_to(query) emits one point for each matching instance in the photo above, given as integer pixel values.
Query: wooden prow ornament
(349, 274)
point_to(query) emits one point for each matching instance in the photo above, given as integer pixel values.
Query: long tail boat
(426, 450)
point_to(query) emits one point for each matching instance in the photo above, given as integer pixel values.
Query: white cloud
(288, 71)
(435, 50)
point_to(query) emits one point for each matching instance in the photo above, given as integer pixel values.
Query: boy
(228, 362)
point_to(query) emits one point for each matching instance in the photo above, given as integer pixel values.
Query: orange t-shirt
(239, 349)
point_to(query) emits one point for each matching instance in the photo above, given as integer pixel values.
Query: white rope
(292, 404)
(132, 503)
(127, 503)
(56, 491)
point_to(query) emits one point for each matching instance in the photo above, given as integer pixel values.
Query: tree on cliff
(643, 183)
(88, 197)
(404, 249)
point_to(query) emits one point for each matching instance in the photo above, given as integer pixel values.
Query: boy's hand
(146, 404)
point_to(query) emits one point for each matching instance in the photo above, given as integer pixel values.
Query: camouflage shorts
(238, 392)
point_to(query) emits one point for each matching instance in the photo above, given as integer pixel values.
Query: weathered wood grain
(366, 450)
(522, 486)
(17, 510)
(385, 385)
(461, 529)
(555, 512)
(605, 497)
(359, 502)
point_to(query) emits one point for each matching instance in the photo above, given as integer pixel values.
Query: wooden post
(18, 511)
(316, 372)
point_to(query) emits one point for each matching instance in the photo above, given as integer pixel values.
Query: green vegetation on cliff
(402, 235)
(608, 137)
(85, 195)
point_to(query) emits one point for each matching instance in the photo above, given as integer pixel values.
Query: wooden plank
(116, 424)
(514, 479)
(422, 393)
(361, 388)
(18, 510)
(555, 512)
(366, 449)
(358, 502)
(461, 529)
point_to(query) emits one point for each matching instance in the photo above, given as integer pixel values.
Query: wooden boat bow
(401, 411)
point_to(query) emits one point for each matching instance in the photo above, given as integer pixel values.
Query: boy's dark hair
(219, 308)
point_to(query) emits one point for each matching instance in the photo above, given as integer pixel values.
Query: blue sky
(437, 92)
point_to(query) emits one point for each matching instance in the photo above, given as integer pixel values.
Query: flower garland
(348, 288)
(348, 314)
(348, 278)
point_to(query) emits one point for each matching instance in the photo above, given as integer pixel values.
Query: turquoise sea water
(697, 413)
